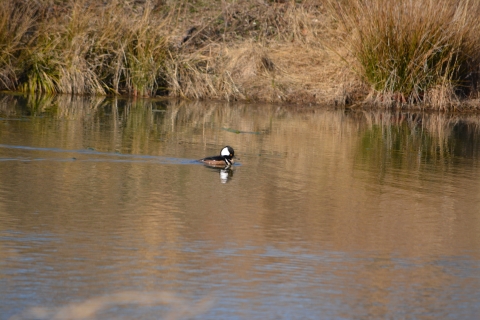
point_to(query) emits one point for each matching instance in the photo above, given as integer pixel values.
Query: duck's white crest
(225, 152)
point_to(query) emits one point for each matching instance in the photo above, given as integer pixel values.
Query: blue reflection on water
(91, 152)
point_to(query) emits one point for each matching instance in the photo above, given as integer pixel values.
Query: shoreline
(289, 52)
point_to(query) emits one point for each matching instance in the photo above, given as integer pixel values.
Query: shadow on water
(342, 214)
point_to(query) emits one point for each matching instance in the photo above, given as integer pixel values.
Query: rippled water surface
(327, 214)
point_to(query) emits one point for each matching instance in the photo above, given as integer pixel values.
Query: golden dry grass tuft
(82, 47)
(412, 51)
(270, 52)
(16, 22)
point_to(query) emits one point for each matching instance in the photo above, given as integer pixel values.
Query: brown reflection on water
(375, 210)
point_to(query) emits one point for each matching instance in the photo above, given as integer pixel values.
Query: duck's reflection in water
(226, 172)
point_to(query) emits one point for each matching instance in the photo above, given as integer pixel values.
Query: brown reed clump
(247, 50)
(82, 47)
(413, 51)
(16, 22)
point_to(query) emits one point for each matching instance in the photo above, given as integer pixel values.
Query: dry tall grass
(413, 51)
(145, 48)
(82, 47)
(311, 52)
(248, 50)
(16, 22)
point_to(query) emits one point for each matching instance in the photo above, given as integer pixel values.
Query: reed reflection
(416, 142)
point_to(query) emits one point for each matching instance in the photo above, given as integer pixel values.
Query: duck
(225, 159)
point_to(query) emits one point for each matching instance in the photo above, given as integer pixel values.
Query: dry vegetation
(352, 52)
(413, 51)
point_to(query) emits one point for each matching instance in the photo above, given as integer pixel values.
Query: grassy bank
(351, 52)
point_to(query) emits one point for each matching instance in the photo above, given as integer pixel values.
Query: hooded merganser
(225, 159)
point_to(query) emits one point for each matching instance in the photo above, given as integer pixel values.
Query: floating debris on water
(239, 131)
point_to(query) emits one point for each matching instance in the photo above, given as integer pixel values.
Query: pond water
(327, 213)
